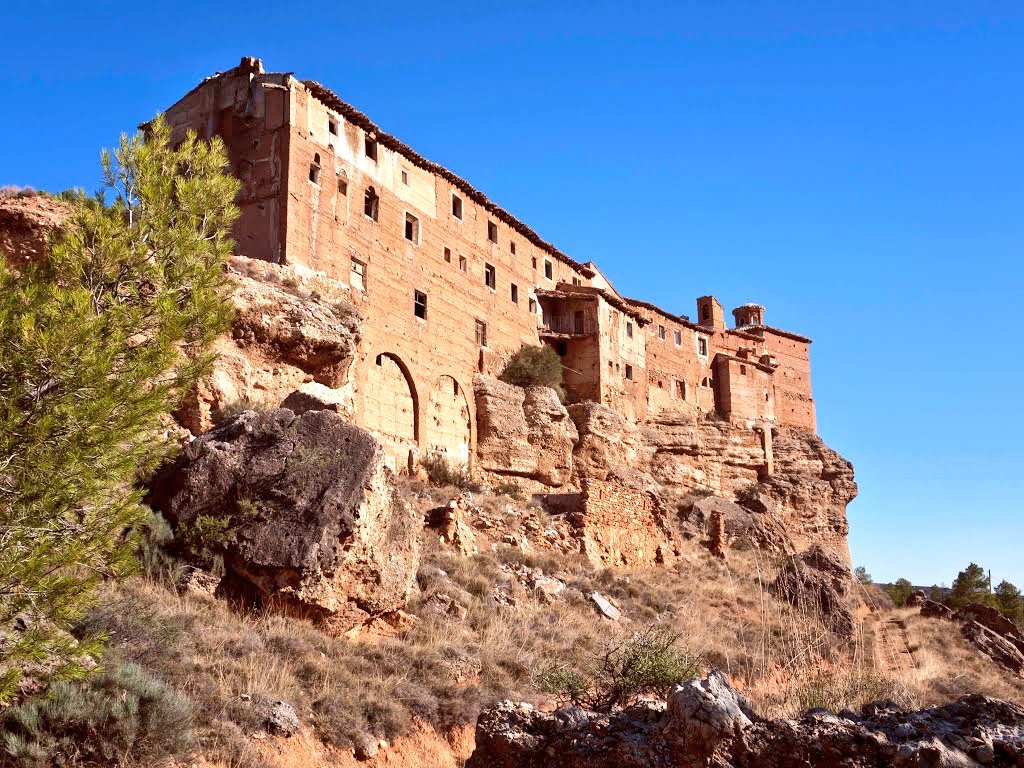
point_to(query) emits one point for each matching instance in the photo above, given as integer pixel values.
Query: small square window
(481, 333)
(457, 207)
(357, 275)
(405, 178)
(412, 228)
(448, 255)
(370, 146)
(332, 126)
(420, 305)
(629, 371)
(515, 293)
(661, 332)
(549, 271)
(490, 277)
(492, 231)
(463, 265)
(629, 330)
(678, 338)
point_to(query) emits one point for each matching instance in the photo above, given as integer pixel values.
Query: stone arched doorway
(389, 400)
(447, 421)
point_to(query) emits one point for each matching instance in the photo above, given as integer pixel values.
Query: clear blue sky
(856, 167)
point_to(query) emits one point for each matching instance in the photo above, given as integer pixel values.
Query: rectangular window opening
(629, 330)
(448, 255)
(463, 264)
(332, 126)
(457, 207)
(370, 146)
(412, 228)
(702, 346)
(490, 277)
(661, 332)
(678, 338)
(420, 305)
(533, 306)
(357, 276)
(481, 333)
(513, 247)
(405, 178)
(629, 371)
(492, 231)
(548, 270)
(515, 293)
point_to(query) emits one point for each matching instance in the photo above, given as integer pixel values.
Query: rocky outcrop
(706, 723)
(987, 629)
(287, 336)
(784, 489)
(306, 515)
(756, 529)
(818, 583)
(524, 432)
(27, 221)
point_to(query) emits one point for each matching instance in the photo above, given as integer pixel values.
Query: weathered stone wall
(620, 526)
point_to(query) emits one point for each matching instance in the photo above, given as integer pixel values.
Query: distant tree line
(971, 585)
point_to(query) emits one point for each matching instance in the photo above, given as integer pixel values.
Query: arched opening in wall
(447, 421)
(389, 405)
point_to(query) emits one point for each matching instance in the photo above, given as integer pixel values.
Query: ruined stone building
(450, 285)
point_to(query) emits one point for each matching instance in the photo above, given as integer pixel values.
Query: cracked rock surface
(707, 723)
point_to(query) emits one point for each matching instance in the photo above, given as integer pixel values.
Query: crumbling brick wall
(621, 526)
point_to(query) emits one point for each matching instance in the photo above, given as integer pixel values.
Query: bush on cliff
(100, 343)
(535, 367)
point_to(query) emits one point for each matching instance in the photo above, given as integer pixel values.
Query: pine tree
(900, 591)
(1009, 600)
(970, 586)
(97, 346)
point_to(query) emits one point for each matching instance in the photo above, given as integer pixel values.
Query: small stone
(606, 608)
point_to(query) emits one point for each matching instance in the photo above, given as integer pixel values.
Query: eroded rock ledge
(706, 723)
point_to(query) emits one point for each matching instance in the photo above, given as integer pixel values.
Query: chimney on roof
(250, 65)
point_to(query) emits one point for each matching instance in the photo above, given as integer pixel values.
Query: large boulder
(523, 431)
(706, 723)
(609, 444)
(818, 582)
(311, 520)
(290, 333)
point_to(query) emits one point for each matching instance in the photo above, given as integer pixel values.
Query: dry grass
(452, 663)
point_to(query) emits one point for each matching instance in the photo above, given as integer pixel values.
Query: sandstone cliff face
(789, 481)
(523, 432)
(287, 335)
(26, 222)
(316, 525)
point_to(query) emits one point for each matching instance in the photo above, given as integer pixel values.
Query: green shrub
(535, 367)
(508, 488)
(646, 663)
(442, 472)
(900, 591)
(117, 718)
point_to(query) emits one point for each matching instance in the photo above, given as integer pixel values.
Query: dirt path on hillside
(889, 644)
